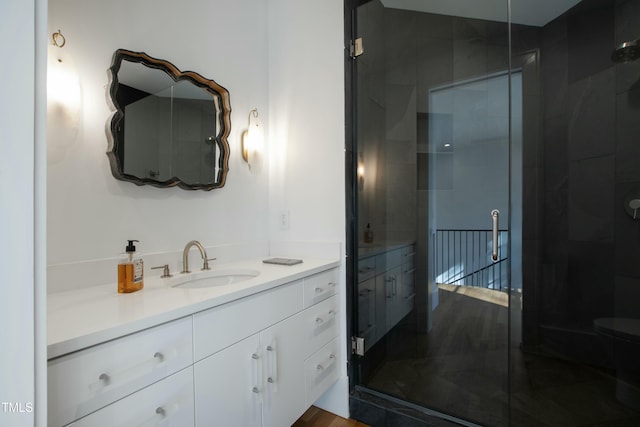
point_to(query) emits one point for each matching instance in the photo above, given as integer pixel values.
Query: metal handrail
(462, 254)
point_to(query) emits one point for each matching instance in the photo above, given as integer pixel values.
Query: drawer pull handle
(331, 284)
(128, 374)
(256, 375)
(319, 290)
(320, 320)
(272, 365)
(411, 270)
(327, 364)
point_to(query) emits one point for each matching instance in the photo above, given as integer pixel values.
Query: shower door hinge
(357, 346)
(355, 48)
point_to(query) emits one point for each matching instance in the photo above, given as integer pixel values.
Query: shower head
(626, 52)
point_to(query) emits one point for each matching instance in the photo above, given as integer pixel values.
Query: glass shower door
(433, 149)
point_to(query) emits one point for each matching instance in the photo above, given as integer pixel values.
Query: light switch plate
(284, 219)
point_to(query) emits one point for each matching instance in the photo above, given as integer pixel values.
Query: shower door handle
(495, 214)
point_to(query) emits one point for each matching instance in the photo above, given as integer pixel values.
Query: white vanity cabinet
(259, 360)
(85, 381)
(386, 290)
(261, 379)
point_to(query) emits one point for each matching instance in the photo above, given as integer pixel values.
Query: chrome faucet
(203, 254)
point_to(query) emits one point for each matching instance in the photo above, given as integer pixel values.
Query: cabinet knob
(159, 356)
(255, 356)
(160, 411)
(105, 378)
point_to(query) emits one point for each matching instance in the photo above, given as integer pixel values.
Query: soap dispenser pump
(130, 270)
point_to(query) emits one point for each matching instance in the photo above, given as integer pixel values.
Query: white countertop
(81, 318)
(369, 249)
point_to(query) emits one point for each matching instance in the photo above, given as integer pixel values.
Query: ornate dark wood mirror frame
(213, 143)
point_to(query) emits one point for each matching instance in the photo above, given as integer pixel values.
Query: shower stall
(493, 164)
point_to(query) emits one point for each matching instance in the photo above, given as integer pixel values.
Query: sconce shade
(252, 138)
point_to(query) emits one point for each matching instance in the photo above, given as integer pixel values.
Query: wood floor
(316, 417)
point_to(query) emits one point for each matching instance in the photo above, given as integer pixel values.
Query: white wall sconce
(360, 171)
(63, 85)
(64, 100)
(252, 138)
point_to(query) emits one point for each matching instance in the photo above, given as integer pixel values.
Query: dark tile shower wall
(590, 264)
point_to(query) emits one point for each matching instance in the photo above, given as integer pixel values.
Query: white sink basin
(213, 278)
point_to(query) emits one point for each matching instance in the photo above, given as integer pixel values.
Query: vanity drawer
(366, 268)
(220, 327)
(321, 371)
(168, 402)
(82, 382)
(321, 324)
(388, 260)
(408, 252)
(320, 286)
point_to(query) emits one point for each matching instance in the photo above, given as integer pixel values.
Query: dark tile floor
(460, 368)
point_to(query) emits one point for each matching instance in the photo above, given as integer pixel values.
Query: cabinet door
(168, 402)
(283, 399)
(228, 390)
(393, 296)
(367, 312)
(383, 287)
(407, 284)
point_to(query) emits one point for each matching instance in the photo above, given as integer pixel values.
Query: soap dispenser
(130, 270)
(368, 234)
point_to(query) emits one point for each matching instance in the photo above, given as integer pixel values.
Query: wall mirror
(170, 127)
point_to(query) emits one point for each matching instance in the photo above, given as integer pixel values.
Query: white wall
(17, 213)
(90, 213)
(306, 138)
(306, 104)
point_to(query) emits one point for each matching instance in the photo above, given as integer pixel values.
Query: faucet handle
(165, 270)
(205, 264)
